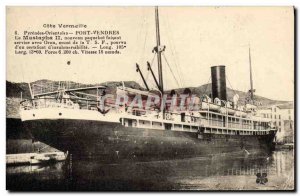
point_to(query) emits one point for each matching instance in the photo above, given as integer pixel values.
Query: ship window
(186, 127)
(134, 123)
(209, 130)
(195, 128)
(59, 114)
(168, 126)
(129, 123)
(177, 127)
(157, 124)
(145, 123)
(182, 117)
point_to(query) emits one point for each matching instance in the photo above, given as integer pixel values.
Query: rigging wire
(230, 85)
(139, 38)
(171, 70)
(29, 85)
(207, 85)
(173, 50)
(145, 22)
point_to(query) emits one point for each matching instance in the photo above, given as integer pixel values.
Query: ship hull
(111, 140)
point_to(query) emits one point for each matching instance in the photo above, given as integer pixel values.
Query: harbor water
(218, 172)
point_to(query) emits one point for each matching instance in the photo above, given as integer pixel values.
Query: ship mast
(158, 50)
(251, 79)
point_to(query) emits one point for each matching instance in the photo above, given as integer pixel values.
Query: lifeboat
(204, 106)
(230, 109)
(223, 110)
(214, 107)
(207, 104)
(240, 114)
(205, 101)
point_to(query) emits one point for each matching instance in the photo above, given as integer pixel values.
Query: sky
(196, 38)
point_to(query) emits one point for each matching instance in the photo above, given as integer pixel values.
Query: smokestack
(218, 86)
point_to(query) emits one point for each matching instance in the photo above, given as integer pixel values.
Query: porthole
(33, 115)
(60, 114)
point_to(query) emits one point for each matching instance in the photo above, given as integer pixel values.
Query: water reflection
(220, 172)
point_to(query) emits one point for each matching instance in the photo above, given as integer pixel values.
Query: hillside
(13, 90)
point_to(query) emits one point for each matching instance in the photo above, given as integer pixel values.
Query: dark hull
(114, 141)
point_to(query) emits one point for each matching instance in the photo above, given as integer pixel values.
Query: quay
(35, 158)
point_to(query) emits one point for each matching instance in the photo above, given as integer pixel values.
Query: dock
(35, 158)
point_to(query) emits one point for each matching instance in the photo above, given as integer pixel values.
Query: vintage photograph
(150, 98)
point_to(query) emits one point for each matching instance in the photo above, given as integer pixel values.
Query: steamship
(68, 117)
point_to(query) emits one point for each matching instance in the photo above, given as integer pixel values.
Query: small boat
(35, 158)
(39, 159)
